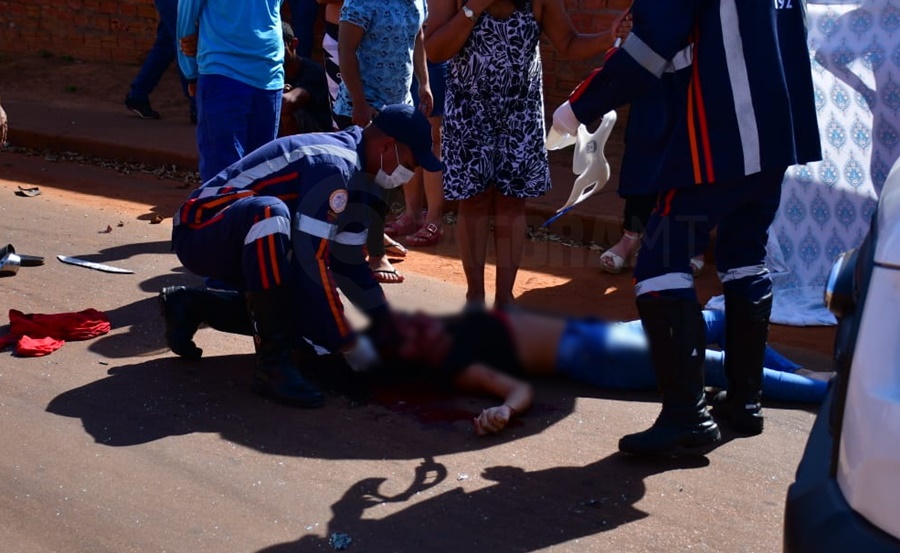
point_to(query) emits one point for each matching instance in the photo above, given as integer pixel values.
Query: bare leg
(509, 242)
(384, 271)
(472, 231)
(428, 229)
(414, 197)
(434, 182)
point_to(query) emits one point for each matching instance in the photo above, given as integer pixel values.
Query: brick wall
(122, 31)
(561, 76)
(92, 30)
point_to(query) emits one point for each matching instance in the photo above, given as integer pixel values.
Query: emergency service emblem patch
(338, 200)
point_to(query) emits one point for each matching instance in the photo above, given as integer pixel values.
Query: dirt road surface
(114, 445)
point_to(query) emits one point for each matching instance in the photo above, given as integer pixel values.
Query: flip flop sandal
(28, 191)
(378, 273)
(394, 249)
(401, 226)
(429, 235)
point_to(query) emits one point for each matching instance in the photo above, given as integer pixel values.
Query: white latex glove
(362, 356)
(589, 161)
(565, 127)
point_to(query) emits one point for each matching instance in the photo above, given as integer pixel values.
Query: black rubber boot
(184, 309)
(676, 336)
(746, 333)
(276, 376)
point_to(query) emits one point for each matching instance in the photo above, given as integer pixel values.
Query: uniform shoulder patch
(338, 200)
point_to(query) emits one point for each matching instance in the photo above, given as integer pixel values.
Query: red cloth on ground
(31, 347)
(39, 334)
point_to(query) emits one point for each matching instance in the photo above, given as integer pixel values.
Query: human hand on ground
(493, 419)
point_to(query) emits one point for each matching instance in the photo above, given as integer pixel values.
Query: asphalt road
(114, 445)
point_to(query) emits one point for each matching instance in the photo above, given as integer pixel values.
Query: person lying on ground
(493, 352)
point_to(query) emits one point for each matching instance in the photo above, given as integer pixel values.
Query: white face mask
(399, 177)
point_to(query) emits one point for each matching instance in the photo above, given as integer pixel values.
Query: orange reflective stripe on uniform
(703, 126)
(330, 290)
(263, 233)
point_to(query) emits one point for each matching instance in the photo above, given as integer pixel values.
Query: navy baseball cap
(407, 125)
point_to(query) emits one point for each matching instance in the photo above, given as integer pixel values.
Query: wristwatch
(467, 11)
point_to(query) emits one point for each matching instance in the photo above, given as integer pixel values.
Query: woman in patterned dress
(493, 145)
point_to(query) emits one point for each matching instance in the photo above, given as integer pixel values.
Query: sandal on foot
(613, 263)
(394, 249)
(697, 264)
(401, 226)
(381, 275)
(429, 235)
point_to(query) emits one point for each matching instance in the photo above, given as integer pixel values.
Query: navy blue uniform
(746, 114)
(292, 213)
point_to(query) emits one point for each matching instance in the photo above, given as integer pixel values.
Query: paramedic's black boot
(676, 336)
(184, 309)
(276, 376)
(746, 333)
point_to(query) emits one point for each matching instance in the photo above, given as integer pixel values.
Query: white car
(846, 496)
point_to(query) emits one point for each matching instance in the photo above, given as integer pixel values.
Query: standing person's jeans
(233, 120)
(161, 56)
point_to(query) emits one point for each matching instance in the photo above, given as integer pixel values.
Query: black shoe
(141, 108)
(182, 321)
(184, 309)
(743, 418)
(672, 434)
(276, 376)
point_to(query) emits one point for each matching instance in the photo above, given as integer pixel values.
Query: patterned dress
(494, 115)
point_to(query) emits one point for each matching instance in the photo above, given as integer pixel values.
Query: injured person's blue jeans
(616, 356)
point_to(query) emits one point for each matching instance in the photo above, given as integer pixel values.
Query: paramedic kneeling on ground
(287, 223)
(748, 114)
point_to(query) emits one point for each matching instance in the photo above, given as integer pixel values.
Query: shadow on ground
(521, 511)
(164, 397)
